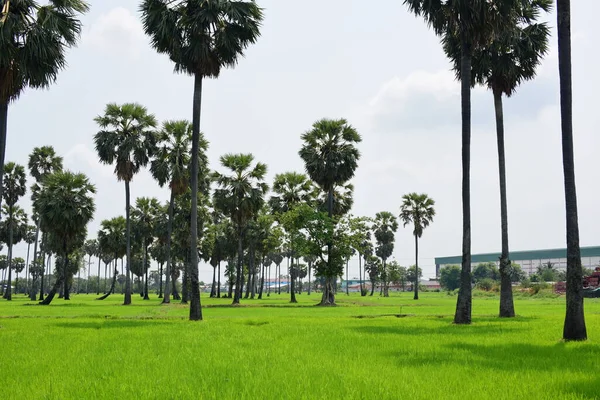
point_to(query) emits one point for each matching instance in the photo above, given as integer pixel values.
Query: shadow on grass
(110, 324)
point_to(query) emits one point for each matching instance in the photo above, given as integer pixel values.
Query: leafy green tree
(13, 189)
(43, 161)
(33, 46)
(474, 22)
(547, 272)
(29, 238)
(66, 205)
(574, 326)
(508, 60)
(200, 38)
(384, 229)
(18, 265)
(36, 270)
(144, 215)
(418, 210)
(126, 139)
(330, 158)
(240, 196)
(113, 245)
(516, 273)
(487, 270)
(373, 267)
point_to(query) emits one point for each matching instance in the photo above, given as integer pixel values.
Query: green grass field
(268, 349)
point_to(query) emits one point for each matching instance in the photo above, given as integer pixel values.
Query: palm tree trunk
(238, 277)
(66, 293)
(3, 130)
(250, 272)
(292, 282)
(385, 281)
(278, 278)
(507, 308)
(213, 289)
(219, 280)
(360, 283)
(41, 298)
(128, 233)
(33, 293)
(463, 304)
(309, 268)
(574, 328)
(112, 285)
(27, 268)
(146, 296)
(328, 297)
(160, 281)
(347, 288)
(78, 280)
(185, 281)
(98, 288)
(8, 294)
(167, 298)
(416, 297)
(195, 306)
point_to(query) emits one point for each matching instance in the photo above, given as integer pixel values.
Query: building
(529, 260)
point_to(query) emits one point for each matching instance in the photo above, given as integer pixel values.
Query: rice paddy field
(366, 348)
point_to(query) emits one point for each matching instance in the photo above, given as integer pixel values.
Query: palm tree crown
(111, 237)
(14, 183)
(417, 209)
(43, 161)
(172, 162)
(201, 37)
(126, 138)
(329, 153)
(290, 188)
(241, 194)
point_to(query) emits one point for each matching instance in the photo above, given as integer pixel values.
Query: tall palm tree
(510, 58)
(384, 229)
(113, 244)
(417, 209)
(200, 38)
(126, 139)
(35, 39)
(290, 189)
(474, 22)
(240, 196)
(574, 327)
(29, 238)
(43, 161)
(144, 214)
(66, 205)
(13, 189)
(13, 230)
(172, 166)
(330, 159)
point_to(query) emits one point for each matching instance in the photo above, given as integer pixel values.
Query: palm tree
(29, 238)
(66, 205)
(574, 327)
(290, 189)
(14, 188)
(508, 60)
(43, 161)
(240, 196)
(330, 159)
(474, 22)
(384, 229)
(91, 249)
(144, 214)
(172, 166)
(126, 139)
(200, 37)
(34, 43)
(417, 209)
(113, 244)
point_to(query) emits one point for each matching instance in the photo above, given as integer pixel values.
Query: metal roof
(592, 251)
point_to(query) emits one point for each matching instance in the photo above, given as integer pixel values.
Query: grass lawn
(268, 349)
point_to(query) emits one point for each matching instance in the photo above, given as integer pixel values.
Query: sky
(374, 64)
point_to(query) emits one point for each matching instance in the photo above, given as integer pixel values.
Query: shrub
(486, 284)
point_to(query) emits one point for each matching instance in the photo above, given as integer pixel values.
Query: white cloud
(117, 32)
(82, 158)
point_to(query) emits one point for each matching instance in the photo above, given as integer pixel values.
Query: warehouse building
(529, 260)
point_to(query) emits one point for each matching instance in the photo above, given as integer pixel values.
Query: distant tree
(384, 229)
(66, 205)
(112, 241)
(13, 189)
(373, 268)
(450, 277)
(91, 249)
(516, 273)
(126, 139)
(487, 270)
(144, 215)
(418, 210)
(330, 158)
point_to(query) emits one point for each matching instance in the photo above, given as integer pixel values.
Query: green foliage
(450, 277)
(43, 161)
(486, 284)
(487, 270)
(418, 210)
(18, 264)
(111, 237)
(13, 183)
(291, 189)
(201, 37)
(384, 228)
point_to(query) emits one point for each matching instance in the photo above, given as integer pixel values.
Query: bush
(536, 287)
(486, 284)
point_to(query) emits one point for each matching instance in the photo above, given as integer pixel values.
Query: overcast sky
(379, 67)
